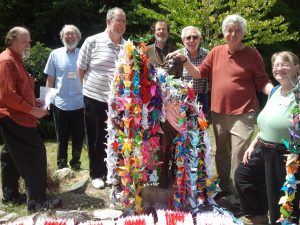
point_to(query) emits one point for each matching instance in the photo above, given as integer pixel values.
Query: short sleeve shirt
(62, 66)
(98, 56)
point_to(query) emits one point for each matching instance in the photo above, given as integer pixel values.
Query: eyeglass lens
(190, 37)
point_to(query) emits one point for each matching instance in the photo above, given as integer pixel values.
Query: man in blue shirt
(68, 115)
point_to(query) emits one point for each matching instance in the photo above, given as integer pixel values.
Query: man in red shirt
(235, 72)
(23, 153)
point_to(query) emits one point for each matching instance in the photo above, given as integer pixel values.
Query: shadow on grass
(81, 201)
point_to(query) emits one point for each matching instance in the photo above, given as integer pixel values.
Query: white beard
(26, 54)
(161, 39)
(70, 45)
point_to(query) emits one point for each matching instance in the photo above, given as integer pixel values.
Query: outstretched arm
(193, 70)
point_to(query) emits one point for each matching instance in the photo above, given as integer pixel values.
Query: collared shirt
(234, 79)
(16, 90)
(199, 85)
(98, 56)
(62, 65)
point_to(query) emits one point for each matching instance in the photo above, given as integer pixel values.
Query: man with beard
(67, 107)
(156, 54)
(23, 153)
(96, 67)
(158, 51)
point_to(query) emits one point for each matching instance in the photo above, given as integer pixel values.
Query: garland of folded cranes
(136, 109)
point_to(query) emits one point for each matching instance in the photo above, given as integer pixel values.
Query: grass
(51, 148)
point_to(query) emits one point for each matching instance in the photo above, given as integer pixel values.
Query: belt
(275, 146)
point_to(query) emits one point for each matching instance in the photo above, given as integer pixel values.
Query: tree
(46, 18)
(209, 14)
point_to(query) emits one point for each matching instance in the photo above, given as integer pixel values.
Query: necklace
(158, 61)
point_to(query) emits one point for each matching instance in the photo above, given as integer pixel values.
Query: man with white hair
(67, 105)
(236, 72)
(191, 38)
(23, 153)
(96, 67)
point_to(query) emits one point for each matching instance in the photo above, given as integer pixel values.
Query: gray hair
(111, 12)
(185, 29)
(235, 18)
(13, 33)
(287, 56)
(77, 31)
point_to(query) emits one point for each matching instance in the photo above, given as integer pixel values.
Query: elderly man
(158, 51)
(68, 103)
(23, 153)
(191, 38)
(96, 66)
(236, 72)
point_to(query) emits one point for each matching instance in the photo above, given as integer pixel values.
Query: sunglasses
(190, 37)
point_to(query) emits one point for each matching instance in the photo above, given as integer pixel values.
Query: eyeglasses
(283, 66)
(192, 36)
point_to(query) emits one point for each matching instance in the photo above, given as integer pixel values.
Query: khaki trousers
(233, 135)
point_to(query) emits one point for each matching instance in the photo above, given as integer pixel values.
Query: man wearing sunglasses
(191, 39)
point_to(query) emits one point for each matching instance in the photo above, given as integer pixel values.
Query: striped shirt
(199, 85)
(98, 56)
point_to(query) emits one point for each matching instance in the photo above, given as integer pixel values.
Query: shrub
(35, 65)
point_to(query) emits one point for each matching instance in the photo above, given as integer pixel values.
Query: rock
(104, 214)
(63, 174)
(8, 217)
(153, 194)
(79, 187)
(77, 216)
(3, 213)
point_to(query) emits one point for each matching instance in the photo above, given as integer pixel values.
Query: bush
(35, 65)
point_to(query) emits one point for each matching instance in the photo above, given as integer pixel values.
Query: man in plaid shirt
(191, 38)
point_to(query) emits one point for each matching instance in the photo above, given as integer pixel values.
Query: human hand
(176, 55)
(38, 112)
(247, 155)
(38, 102)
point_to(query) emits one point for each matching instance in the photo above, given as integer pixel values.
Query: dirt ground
(86, 198)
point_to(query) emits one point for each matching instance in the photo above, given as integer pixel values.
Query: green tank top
(275, 118)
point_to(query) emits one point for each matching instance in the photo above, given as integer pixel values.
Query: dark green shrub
(35, 65)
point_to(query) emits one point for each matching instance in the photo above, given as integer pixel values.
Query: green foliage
(46, 128)
(209, 14)
(36, 63)
(46, 18)
(139, 38)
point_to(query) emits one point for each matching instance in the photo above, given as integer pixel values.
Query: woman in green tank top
(261, 175)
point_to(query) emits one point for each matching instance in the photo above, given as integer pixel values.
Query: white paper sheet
(47, 95)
